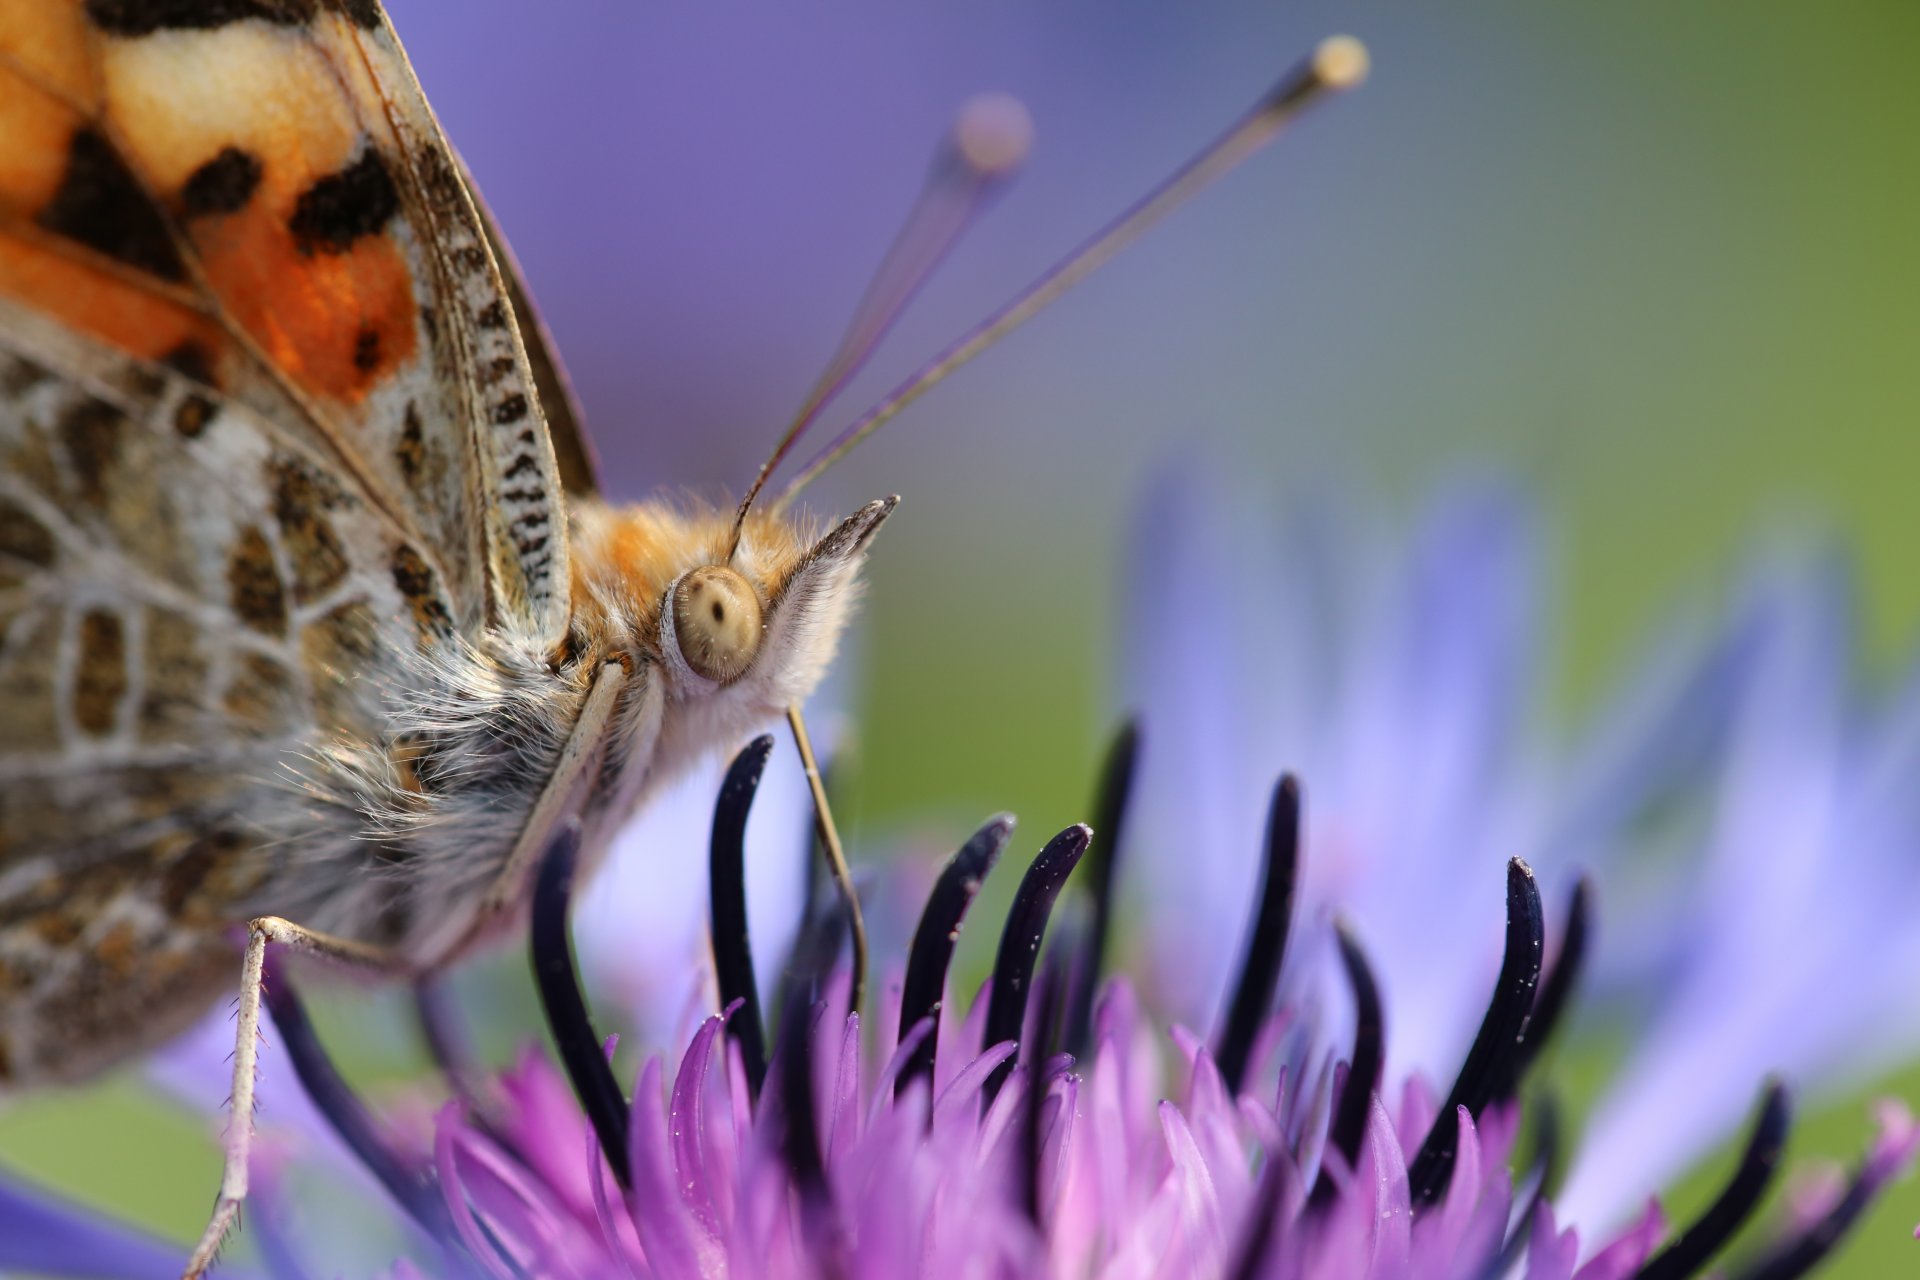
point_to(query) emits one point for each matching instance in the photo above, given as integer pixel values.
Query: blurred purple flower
(1803, 831)
(939, 1148)
(1746, 822)
(1053, 1133)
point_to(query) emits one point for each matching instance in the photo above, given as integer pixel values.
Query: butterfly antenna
(986, 146)
(1338, 63)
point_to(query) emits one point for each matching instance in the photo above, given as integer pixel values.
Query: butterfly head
(766, 620)
(737, 634)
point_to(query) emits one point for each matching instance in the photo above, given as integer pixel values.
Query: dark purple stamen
(801, 1141)
(451, 1050)
(1695, 1247)
(814, 952)
(1543, 1174)
(1020, 945)
(411, 1183)
(1363, 1068)
(1804, 1252)
(1262, 1223)
(1109, 817)
(816, 902)
(558, 982)
(727, 908)
(1260, 973)
(932, 951)
(1501, 1034)
(1556, 989)
(446, 1040)
(1059, 977)
(1051, 992)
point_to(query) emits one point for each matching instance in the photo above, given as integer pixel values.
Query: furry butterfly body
(305, 589)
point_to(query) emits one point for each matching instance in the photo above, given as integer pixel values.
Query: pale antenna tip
(993, 133)
(1340, 62)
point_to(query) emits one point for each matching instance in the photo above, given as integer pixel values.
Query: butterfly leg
(246, 1049)
(579, 759)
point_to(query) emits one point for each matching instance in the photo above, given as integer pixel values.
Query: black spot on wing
(192, 414)
(511, 409)
(101, 205)
(411, 450)
(366, 350)
(528, 541)
(302, 497)
(144, 17)
(343, 207)
(361, 13)
(140, 384)
(254, 589)
(193, 360)
(223, 184)
(414, 578)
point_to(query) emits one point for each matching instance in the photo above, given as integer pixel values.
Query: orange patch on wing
(99, 302)
(36, 128)
(336, 322)
(48, 40)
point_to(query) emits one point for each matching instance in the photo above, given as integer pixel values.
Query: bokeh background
(1656, 261)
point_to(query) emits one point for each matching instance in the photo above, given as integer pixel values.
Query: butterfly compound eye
(716, 622)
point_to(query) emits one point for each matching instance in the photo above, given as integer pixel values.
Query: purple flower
(1055, 1127)
(1013, 1141)
(1798, 953)
(1746, 818)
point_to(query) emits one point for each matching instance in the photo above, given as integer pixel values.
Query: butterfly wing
(573, 449)
(256, 193)
(266, 421)
(186, 597)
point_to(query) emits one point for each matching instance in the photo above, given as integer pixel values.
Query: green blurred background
(1657, 261)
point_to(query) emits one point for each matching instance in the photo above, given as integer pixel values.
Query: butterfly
(314, 625)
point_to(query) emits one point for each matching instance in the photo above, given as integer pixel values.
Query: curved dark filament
(1556, 989)
(1262, 1224)
(1694, 1248)
(1499, 1039)
(924, 990)
(558, 983)
(801, 1143)
(1267, 946)
(813, 956)
(410, 1182)
(1109, 820)
(1046, 1013)
(1349, 1126)
(1058, 979)
(1543, 1172)
(452, 1050)
(1804, 1252)
(727, 908)
(1019, 949)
